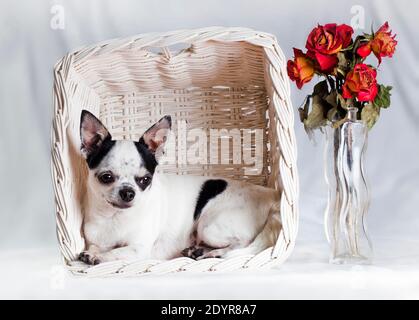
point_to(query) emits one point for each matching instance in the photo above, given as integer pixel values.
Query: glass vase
(349, 196)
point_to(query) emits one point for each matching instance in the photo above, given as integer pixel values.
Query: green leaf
(332, 99)
(342, 72)
(343, 63)
(332, 114)
(383, 98)
(344, 103)
(303, 110)
(321, 89)
(316, 118)
(342, 59)
(370, 114)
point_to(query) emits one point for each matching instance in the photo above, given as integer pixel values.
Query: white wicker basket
(225, 77)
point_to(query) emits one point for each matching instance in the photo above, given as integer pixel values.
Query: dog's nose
(127, 194)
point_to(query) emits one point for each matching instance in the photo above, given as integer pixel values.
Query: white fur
(161, 226)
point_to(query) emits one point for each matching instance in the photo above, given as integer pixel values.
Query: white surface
(28, 50)
(307, 275)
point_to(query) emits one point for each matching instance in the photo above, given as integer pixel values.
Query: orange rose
(301, 69)
(324, 42)
(361, 83)
(383, 44)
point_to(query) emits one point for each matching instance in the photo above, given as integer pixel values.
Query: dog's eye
(106, 178)
(143, 182)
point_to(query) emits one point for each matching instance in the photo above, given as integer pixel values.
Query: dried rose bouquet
(332, 53)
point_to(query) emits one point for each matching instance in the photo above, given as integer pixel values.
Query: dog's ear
(156, 136)
(92, 133)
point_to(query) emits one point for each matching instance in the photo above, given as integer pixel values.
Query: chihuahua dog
(133, 212)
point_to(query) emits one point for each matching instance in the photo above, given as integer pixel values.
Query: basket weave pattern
(225, 78)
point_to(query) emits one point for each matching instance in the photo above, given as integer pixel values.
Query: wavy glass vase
(349, 197)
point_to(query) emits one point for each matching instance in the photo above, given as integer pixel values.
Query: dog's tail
(266, 238)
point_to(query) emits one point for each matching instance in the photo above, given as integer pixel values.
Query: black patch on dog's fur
(210, 189)
(96, 156)
(149, 159)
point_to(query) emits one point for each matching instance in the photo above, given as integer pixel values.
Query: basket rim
(164, 35)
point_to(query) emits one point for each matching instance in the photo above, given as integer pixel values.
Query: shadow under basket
(212, 78)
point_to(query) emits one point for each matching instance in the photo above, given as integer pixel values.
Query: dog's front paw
(89, 258)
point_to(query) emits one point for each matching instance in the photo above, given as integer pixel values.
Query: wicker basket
(222, 78)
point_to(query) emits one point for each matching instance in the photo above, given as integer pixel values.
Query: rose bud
(361, 83)
(383, 44)
(301, 69)
(364, 50)
(324, 42)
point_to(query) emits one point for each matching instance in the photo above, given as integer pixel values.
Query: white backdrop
(29, 48)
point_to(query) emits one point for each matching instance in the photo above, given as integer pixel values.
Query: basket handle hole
(171, 51)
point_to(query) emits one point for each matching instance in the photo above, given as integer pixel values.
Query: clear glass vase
(349, 196)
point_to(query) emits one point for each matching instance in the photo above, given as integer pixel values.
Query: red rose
(324, 42)
(361, 83)
(383, 44)
(301, 69)
(364, 50)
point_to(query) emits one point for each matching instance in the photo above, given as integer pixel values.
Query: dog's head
(121, 171)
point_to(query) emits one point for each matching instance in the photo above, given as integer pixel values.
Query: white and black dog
(133, 212)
